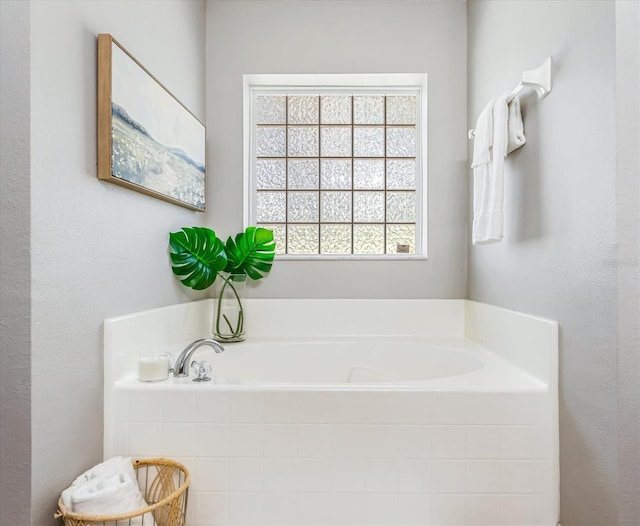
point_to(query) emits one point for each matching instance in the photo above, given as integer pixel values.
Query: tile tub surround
(435, 453)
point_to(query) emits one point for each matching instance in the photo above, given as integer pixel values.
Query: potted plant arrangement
(198, 257)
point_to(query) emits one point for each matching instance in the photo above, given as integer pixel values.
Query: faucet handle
(201, 370)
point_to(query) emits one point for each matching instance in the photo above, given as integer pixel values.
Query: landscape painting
(147, 140)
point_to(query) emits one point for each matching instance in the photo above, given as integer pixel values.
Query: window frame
(339, 84)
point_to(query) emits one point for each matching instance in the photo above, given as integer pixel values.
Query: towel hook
(538, 79)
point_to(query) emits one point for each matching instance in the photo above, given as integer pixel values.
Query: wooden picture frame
(147, 139)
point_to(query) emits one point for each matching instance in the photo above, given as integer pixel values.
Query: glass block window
(336, 172)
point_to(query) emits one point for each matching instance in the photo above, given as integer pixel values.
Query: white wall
(558, 257)
(628, 256)
(15, 265)
(280, 36)
(98, 250)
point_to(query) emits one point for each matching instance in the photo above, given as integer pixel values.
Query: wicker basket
(165, 486)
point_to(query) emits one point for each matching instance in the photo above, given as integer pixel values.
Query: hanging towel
(499, 130)
(515, 126)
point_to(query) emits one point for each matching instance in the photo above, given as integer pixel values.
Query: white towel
(108, 468)
(111, 495)
(515, 126)
(108, 486)
(499, 130)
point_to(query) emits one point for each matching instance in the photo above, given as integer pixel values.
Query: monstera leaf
(198, 255)
(251, 252)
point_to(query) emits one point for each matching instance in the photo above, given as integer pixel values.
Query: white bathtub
(455, 424)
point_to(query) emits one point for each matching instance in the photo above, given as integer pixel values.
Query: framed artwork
(147, 140)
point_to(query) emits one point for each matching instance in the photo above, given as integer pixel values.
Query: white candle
(153, 367)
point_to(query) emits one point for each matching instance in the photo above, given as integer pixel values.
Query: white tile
(449, 476)
(381, 475)
(483, 442)
(483, 476)
(486, 510)
(280, 440)
(280, 474)
(212, 406)
(361, 441)
(413, 442)
(516, 442)
(245, 440)
(485, 408)
(144, 406)
(246, 407)
(446, 408)
(400, 408)
(280, 407)
(348, 474)
(211, 509)
(521, 509)
(314, 440)
(414, 476)
(350, 407)
(316, 475)
(211, 440)
(245, 474)
(518, 476)
(544, 476)
(178, 439)
(245, 509)
(315, 408)
(520, 408)
(211, 474)
(381, 509)
(120, 443)
(279, 509)
(145, 440)
(178, 405)
(449, 441)
(449, 510)
(414, 509)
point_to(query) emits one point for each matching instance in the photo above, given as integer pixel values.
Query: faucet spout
(181, 367)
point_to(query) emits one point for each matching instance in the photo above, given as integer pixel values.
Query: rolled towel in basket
(111, 495)
(108, 468)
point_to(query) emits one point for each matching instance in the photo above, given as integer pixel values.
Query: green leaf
(251, 252)
(198, 254)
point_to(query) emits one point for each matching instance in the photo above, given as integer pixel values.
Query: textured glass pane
(368, 239)
(303, 207)
(401, 109)
(401, 207)
(303, 174)
(303, 109)
(401, 174)
(401, 142)
(368, 174)
(335, 207)
(335, 239)
(270, 174)
(368, 142)
(368, 110)
(270, 142)
(279, 236)
(270, 206)
(335, 142)
(303, 239)
(303, 142)
(401, 239)
(368, 207)
(335, 174)
(271, 109)
(335, 109)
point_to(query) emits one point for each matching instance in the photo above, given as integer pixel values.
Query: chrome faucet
(181, 367)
